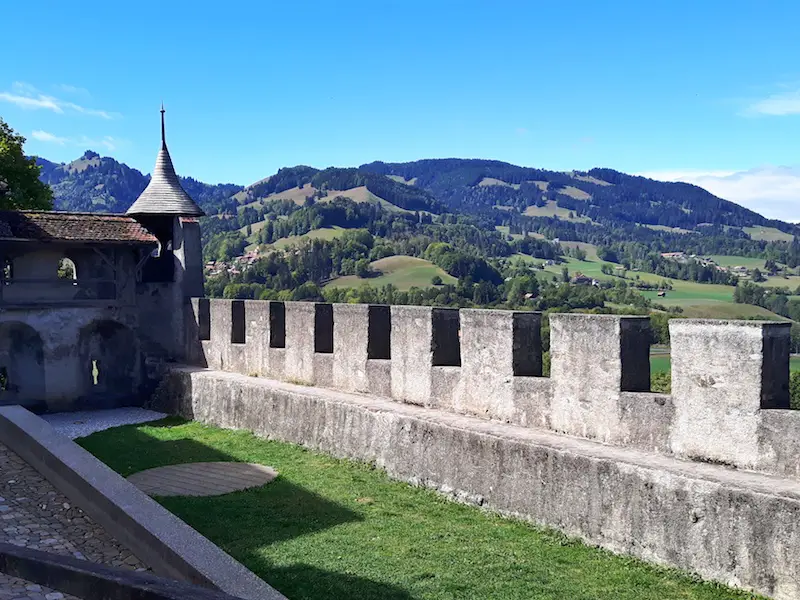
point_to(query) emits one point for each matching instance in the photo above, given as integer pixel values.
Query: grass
(324, 233)
(768, 234)
(738, 261)
(404, 272)
(551, 209)
(661, 363)
(328, 528)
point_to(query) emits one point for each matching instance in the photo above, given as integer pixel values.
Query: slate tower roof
(164, 194)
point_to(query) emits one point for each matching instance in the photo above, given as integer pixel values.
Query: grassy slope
(329, 528)
(551, 209)
(768, 234)
(699, 300)
(324, 233)
(404, 272)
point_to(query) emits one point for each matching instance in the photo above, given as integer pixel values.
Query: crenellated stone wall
(730, 400)
(704, 479)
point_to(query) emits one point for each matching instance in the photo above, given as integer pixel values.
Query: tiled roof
(164, 194)
(72, 227)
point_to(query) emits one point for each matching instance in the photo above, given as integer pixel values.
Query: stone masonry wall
(729, 403)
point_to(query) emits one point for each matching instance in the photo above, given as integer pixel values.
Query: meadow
(403, 272)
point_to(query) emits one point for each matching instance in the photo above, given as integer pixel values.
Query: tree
(20, 187)
(436, 280)
(757, 276)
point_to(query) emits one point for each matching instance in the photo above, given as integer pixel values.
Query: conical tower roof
(164, 194)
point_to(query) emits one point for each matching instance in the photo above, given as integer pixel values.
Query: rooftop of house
(51, 226)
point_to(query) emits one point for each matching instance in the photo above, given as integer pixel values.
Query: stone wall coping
(729, 323)
(151, 532)
(593, 317)
(769, 485)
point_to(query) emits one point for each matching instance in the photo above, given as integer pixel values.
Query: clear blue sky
(706, 88)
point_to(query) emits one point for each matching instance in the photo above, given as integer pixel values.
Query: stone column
(299, 365)
(593, 359)
(723, 374)
(257, 337)
(412, 353)
(497, 345)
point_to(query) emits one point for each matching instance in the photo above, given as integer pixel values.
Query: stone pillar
(257, 337)
(723, 374)
(300, 341)
(217, 348)
(361, 334)
(496, 346)
(350, 346)
(594, 358)
(412, 353)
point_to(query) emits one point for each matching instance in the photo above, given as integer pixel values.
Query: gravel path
(82, 423)
(34, 515)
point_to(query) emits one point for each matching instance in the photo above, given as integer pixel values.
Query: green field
(661, 363)
(325, 233)
(403, 272)
(332, 528)
(697, 300)
(553, 210)
(737, 261)
(768, 234)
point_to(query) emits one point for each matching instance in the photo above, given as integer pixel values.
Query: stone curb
(156, 536)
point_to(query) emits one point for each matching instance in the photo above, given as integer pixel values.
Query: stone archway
(22, 376)
(110, 364)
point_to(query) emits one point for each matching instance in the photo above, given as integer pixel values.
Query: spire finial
(163, 135)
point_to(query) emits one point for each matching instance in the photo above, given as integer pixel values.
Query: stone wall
(737, 527)
(729, 378)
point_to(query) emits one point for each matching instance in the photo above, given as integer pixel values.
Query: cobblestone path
(33, 514)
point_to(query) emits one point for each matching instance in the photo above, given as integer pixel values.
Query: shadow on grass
(243, 523)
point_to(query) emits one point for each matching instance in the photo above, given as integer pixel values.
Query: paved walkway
(34, 515)
(85, 422)
(202, 479)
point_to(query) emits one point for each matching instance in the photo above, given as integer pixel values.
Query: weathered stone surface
(719, 387)
(740, 528)
(299, 366)
(412, 353)
(600, 368)
(170, 547)
(33, 514)
(491, 342)
(588, 356)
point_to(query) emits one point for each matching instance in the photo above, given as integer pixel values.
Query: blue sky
(699, 91)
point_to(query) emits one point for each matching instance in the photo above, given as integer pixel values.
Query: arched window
(66, 269)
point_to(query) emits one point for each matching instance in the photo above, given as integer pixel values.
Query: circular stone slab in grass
(202, 479)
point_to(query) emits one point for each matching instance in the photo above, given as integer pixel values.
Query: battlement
(729, 404)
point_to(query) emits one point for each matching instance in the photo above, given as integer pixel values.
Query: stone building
(91, 305)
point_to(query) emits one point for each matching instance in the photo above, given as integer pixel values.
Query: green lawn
(404, 272)
(329, 528)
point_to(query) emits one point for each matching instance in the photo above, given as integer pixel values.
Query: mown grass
(329, 528)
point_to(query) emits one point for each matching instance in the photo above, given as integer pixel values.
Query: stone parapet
(729, 402)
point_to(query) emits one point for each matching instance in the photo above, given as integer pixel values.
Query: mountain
(601, 206)
(599, 196)
(101, 184)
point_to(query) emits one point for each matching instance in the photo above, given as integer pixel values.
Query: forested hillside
(101, 184)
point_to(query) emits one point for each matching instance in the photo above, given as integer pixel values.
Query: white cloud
(771, 191)
(26, 96)
(44, 136)
(106, 142)
(775, 105)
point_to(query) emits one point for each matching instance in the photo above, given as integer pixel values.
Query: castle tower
(170, 214)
